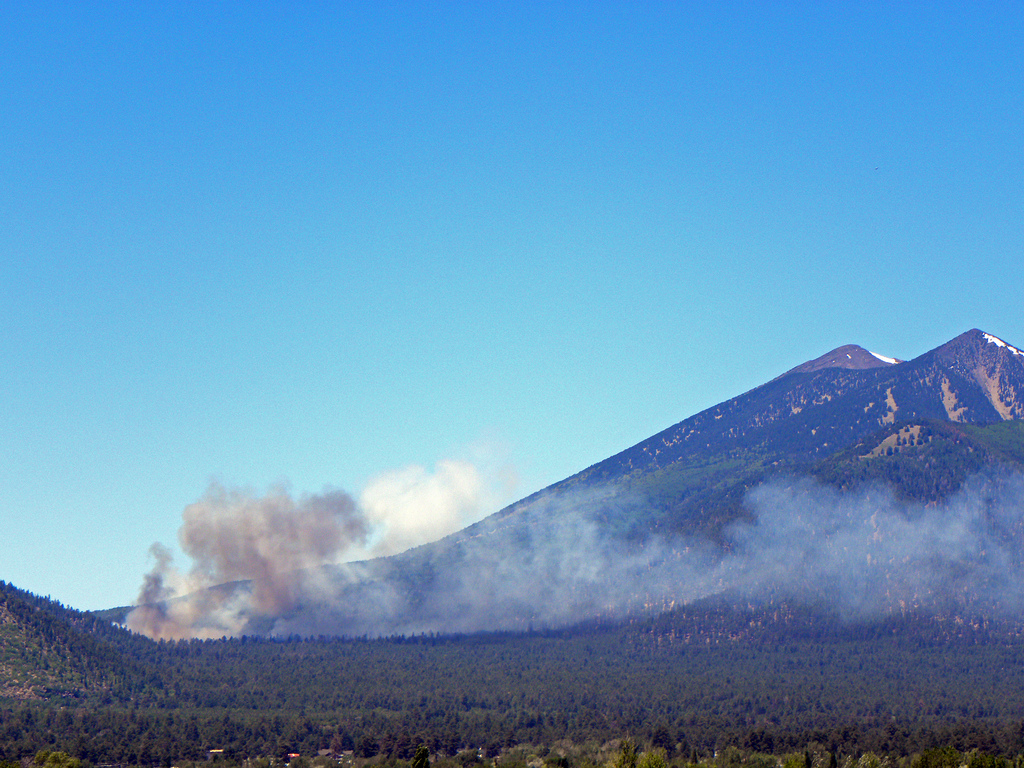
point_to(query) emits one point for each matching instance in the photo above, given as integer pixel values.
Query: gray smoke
(868, 554)
(272, 543)
(566, 558)
(552, 562)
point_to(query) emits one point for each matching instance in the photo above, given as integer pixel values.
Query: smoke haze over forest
(558, 560)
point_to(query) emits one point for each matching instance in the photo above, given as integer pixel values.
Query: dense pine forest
(692, 683)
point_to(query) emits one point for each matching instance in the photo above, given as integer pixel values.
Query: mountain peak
(975, 343)
(984, 361)
(850, 356)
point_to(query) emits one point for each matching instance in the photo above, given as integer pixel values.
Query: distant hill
(49, 651)
(707, 506)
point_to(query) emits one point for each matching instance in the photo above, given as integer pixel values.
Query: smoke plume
(254, 557)
(270, 542)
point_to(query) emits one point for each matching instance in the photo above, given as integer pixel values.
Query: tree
(47, 759)
(627, 757)
(661, 739)
(422, 757)
(655, 758)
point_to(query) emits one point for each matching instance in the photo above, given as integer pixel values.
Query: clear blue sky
(314, 242)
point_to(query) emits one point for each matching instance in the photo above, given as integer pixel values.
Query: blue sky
(310, 243)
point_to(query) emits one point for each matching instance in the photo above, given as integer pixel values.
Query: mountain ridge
(809, 389)
(613, 538)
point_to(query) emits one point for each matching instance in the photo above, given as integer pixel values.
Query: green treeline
(693, 682)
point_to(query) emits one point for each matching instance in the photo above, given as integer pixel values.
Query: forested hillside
(48, 651)
(926, 460)
(700, 678)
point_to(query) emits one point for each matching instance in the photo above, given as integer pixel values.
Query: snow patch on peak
(993, 340)
(884, 359)
(1000, 343)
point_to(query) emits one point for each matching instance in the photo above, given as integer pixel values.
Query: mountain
(809, 413)
(829, 402)
(925, 454)
(829, 559)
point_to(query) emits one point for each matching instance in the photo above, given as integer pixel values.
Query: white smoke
(412, 506)
(868, 553)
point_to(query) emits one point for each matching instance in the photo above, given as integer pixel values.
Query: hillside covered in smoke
(856, 481)
(561, 560)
